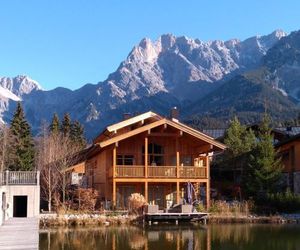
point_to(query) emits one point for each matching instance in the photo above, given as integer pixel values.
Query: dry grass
(85, 220)
(234, 208)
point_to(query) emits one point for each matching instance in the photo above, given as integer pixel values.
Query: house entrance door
(20, 206)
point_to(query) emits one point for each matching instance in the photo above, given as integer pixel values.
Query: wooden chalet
(151, 155)
(289, 152)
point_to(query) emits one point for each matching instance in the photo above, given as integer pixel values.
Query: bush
(83, 199)
(200, 208)
(135, 203)
(283, 202)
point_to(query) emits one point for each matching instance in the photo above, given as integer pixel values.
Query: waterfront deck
(19, 233)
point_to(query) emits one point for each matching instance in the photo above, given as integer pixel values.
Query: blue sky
(72, 42)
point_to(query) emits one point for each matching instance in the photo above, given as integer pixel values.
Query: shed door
(20, 206)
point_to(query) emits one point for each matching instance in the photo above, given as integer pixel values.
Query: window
(186, 160)
(125, 160)
(155, 154)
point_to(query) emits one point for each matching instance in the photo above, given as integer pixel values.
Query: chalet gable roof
(132, 120)
(161, 121)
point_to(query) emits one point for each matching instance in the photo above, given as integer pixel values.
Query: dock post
(176, 222)
(149, 222)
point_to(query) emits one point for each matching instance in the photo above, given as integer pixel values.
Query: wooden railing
(126, 171)
(20, 178)
(192, 172)
(130, 171)
(162, 171)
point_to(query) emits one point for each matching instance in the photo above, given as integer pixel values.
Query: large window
(125, 160)
(155, 155)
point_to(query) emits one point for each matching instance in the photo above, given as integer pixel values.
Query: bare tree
(55, 153)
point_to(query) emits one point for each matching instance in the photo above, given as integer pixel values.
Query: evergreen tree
(265, 168)
(66, 125)
(239, 141)
(22, 143)
(54, 126)
(77, 134)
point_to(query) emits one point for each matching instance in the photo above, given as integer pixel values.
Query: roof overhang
(131, 121)
(182, 127)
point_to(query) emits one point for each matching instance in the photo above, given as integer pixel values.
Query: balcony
(134, 171)
(19, 178)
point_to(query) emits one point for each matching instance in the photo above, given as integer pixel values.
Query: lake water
(166, 237)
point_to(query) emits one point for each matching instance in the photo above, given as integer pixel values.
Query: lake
(166, 237)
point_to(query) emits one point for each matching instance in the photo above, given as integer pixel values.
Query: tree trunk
(49, 191)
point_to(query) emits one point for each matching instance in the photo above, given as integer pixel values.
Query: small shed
(19, 194)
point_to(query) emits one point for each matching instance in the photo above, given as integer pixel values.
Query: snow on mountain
(5, 93)
(19, 85)
(12, 90)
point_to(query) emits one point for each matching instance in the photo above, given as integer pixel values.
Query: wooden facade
(151, 155)
(289, 152)
(74, 174)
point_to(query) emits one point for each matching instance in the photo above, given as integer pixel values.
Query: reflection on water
(190, 237)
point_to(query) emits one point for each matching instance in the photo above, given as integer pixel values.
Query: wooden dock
(178, 217)
(19, 233)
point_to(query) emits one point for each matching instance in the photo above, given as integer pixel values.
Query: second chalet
(151, 155)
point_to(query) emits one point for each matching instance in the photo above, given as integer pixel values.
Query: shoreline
(71, 220)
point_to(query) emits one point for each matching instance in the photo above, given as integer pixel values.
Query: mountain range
(207, 81)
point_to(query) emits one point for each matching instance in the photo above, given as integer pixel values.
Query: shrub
(283, 202)
(83, 199)
(135, 203)
(200, 208)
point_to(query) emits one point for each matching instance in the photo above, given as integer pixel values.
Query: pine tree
(22, 144)
(265, 168)
(239, 141)
(77, 134)
(66, 125)
(54, 126)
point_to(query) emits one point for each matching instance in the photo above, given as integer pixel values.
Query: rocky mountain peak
(19, 85)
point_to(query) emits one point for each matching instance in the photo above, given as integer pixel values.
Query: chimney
(174, 114)
(126, 116)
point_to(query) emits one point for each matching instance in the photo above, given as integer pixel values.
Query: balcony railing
(162, 172)
(192, 172)
(133, 171)
(130, 171)
(19, 178)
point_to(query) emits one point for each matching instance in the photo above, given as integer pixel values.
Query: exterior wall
(297, 182)
(97, 169)
(290, 155)
(75, 173)
(33, 199)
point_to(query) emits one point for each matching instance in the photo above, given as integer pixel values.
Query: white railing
(19, 178)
